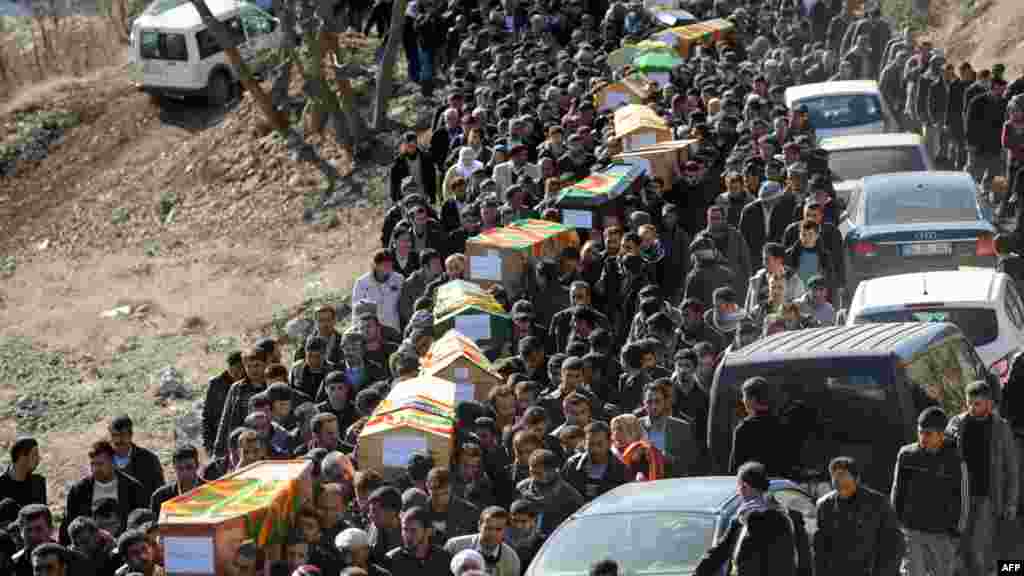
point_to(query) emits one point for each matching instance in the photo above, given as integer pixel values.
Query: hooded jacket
(558, 502)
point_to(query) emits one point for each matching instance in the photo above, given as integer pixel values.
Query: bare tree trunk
(386, 71)
(276, 119)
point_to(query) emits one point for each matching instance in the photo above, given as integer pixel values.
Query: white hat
(350, 538)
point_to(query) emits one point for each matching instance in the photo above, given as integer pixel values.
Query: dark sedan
(915, 222)
(661, 527)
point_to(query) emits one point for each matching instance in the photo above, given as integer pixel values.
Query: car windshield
(857, 163)
(647, 543)
(978, 324)
(914, 203)
(843, 110)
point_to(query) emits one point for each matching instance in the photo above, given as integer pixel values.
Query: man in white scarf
(465, 167)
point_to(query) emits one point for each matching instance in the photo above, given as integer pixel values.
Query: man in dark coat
(676, 243)
(111, 482)
(597, 470)
(411, 161)
(762, 538)
(780, 206)
(134, 460)
(186, 474)
(19, 481)
(983, 123)
(216, 393)
(858, 532)
(930, 497)
(955, 114)
(761, 435)
(444, 135)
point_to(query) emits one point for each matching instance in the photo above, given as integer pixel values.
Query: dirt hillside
(982, 32)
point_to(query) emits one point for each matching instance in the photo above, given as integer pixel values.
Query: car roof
(185, 17)
(898, 338)
(960, 286)
(921, 178)
(696, 495)
(858, 141)
(838, 87)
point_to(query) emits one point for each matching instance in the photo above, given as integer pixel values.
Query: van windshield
(154, 45)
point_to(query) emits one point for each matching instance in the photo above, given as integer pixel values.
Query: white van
(985, 304)
(851, 158)
(174, 54)
(843, 107)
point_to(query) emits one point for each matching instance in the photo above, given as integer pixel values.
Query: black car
(915, 222)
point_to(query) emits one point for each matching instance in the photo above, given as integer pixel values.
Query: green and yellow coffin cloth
(600, 187)
(468, 308)
(417, 415)
(527, 235)
(266, 495)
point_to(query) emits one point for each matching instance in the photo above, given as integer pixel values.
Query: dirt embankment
(982, 32)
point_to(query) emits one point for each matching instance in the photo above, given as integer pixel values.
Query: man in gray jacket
(501, 558)
(930, 497)
(985, 442)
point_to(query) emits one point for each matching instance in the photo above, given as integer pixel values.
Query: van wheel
(219, 90)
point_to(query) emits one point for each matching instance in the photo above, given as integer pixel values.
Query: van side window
(207, 40)
(940, 375)
(155, 45)
(863, 385)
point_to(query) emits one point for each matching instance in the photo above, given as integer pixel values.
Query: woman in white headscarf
(465, 167)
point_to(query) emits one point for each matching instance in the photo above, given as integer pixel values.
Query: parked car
(915, 222)
(843, 107)
(660, 527)
(853, 157)
(175, 54)
(850, 390)
(985, 304)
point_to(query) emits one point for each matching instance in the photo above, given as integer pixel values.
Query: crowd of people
(614, 344)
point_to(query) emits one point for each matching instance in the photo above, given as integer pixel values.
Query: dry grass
(39, 50)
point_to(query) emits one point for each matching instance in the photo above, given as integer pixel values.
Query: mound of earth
(982, 32)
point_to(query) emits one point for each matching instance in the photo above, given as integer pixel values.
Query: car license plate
(927, 249)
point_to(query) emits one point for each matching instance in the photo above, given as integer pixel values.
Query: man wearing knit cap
(930, 497)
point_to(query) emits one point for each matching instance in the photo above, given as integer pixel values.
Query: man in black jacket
(104, 481)
(134, 460)
(763, 538)
(983, 123)
(417, 555)
(186, 474)
(307, 374)
(36, 525)
(929, 495)
(216, 393)
(20, 481)
(858, 532)
(415, 163)
(597, 470)
(761, 436)
(955, 114)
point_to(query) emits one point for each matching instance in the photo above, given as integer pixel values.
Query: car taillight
(985, 246)
(865, 249)
(1002, 369)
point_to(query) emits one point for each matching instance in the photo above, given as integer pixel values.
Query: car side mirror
(273, 24)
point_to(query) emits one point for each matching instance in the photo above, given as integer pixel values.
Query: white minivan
(843, 107)
(174, 54)
(982, 302)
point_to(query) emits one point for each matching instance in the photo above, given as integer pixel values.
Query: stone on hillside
(172, 385)
(188, 427)
(299, 328)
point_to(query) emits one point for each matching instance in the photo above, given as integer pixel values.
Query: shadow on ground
(193, 114)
